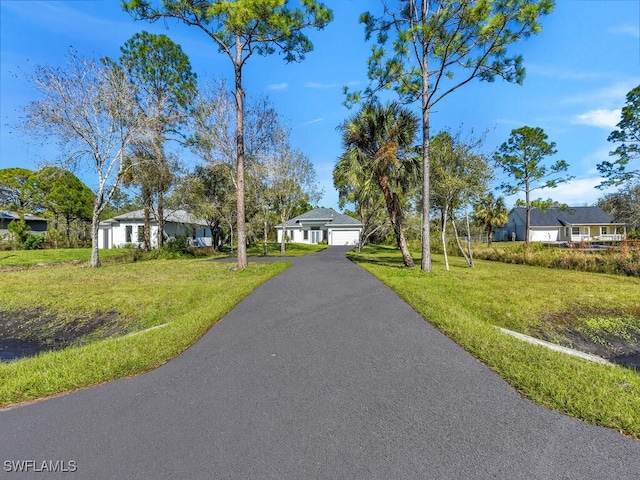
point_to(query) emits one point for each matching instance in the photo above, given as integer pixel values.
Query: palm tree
(379, 147)
(489, 213)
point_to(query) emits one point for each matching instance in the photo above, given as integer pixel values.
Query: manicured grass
(466, 304)
(292, 249)
(189, 296)
(26, 258)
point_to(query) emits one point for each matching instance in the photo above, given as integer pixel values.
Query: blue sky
(579, 69)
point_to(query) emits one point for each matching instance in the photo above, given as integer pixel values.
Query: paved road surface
(321, 373)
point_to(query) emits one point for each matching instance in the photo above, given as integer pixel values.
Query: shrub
(620, 259)
(33, 242)
(178, 245)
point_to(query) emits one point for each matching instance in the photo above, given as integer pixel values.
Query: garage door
(344, 237)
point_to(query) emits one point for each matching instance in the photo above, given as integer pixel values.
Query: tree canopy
(522, 158)
(240, 29)
(14, 194)
(380, 149)
(427, 49)
(627, 136)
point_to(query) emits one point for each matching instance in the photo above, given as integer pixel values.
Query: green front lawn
(27, 258)
(292, 249)
(184, 297)
(466, 304)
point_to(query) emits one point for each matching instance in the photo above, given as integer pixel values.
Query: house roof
(560, 217)
(170, 216)
(7, 215)
(328, 216)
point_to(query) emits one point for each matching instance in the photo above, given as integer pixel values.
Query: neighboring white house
(128, 229)
(322, 224)
(571, 224)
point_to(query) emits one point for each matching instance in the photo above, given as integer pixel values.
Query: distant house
(322, 224)
(572, 224)
(37, 225)
(128, 229)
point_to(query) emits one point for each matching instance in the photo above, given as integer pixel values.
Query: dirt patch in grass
(28, 332)
(611, 334)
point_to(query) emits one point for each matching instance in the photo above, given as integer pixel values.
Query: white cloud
(277, 86)
(611, 95)
(626, 30)
(557, 72)
(601, 118)
(321, 85)
(577, 192)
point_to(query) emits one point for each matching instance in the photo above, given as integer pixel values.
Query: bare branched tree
(90, 108)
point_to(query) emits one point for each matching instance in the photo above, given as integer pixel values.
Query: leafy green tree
(379, 144)
(209, 194)
(161, 76)
(490, 213)
(427, 49)
(364, 195)
(63, 194)
(459, 173)
(628, 137)
(239, 29)
(14, 194)
(522, 157)
(624, 206)
(120, 202)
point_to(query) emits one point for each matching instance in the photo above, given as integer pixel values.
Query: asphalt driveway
(321, 373)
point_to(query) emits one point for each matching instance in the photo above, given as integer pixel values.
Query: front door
(315, 236)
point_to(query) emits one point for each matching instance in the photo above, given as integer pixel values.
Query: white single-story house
(570, 224)
(128, 229)
(37, 225)
(322, 224)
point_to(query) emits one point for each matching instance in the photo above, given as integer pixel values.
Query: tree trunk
(146, 202)
(425, 264)
(464, 254)
(283, 240)
(160, 219)
(528, 215)
(242, 234)
(95, 223)
(444, 235)
(395, 217)
(489, 237)
(56, 224)
(68, 218)
(469, 248)
(266, 232)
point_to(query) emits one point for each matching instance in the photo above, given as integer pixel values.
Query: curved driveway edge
(321, 373)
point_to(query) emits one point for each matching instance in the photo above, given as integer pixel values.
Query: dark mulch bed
(29, 332)
(567, 330)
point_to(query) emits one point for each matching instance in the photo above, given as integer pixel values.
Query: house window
(291, 235)
(603, 230)
(305, 234)
(141, 233)
(128, 233)
(575, 230)
(566, 232)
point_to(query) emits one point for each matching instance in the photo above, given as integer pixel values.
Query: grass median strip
(466, 304)
(188, 295)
